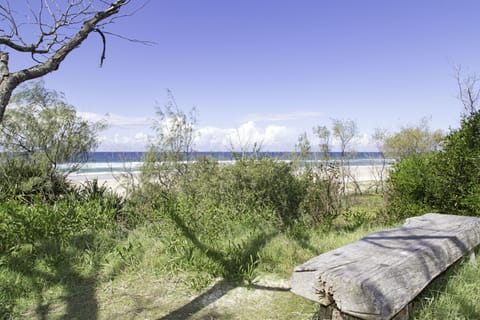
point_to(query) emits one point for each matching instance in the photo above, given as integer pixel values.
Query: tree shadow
(233, 266)
(49, 264)
(220, 289)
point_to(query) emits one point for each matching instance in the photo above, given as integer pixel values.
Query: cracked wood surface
(377, 276)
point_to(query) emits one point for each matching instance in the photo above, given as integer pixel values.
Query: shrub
(445, 181)
(26, 180)
(410, 181)
(322, 189)
(266, 184)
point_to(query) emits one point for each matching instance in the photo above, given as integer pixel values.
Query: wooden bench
(379, 275)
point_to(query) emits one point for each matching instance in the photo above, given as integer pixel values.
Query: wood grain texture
(377, 276)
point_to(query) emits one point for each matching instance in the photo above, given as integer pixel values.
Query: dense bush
(459, 168)
(262, 191)
(265, 184)
(446, 181)
(27, 180)
(321, 202)
(411, 180)
(215, 218)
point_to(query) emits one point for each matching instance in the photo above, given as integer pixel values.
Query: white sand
(369, 173)
(117, 183)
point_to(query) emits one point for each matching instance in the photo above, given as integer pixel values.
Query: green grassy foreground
(142, 274)
(101, 276)
(196, 241)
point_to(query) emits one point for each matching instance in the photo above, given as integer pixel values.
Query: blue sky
(268, 70)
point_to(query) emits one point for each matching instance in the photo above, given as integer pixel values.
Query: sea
(105, 163)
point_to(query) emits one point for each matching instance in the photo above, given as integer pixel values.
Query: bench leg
(473, 257)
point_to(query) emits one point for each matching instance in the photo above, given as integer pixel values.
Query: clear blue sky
(271, 69)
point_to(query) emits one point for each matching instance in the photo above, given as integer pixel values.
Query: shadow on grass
(220, 289)
(48, 266)
(233, 267)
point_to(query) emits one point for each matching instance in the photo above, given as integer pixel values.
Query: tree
(166, 161)
(379, 171)
(323, 134)
(302, 147)
(41, 130)
(61, 26)
(468, 91)
(345, 131)
(412, 140)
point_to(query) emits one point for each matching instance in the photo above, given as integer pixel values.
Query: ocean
(101, 163)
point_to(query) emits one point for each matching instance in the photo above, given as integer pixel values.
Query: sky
(266, 71)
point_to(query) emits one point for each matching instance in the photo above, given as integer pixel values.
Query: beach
(116, 180)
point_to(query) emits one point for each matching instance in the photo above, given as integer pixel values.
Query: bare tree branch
(61, 26)
(144, 42)
(468, 90)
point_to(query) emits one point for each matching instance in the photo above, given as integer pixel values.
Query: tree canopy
(41, 126)
(411, 140)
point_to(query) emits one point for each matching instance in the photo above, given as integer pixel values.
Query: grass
(146, 274)
(454, 295)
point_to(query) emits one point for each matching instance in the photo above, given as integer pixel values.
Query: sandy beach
(115, 181)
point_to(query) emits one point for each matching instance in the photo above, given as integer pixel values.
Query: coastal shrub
(411, 181)
(27, 180)
(321, 202)
(216, 217)
(39, 133)
(234, 191)
(266, 184)
(445, 181)
(459, 168)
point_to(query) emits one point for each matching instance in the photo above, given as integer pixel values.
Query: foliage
(303, 147)
(410, 140)
(39, 132)
(459, 169)
(323, 134)
(44, 128)
(166, 160)
(266, 184)
(445, 181)
(321, 202)
(410, 182)
(27, 224)
(345, 131)
(25, 180)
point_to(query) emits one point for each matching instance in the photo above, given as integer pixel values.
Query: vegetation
(443, 181)
(201, 228)
(38, 133)
(410, 140)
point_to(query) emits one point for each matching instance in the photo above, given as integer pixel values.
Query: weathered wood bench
(379, 275)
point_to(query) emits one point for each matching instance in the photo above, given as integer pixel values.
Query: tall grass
(178, 250)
